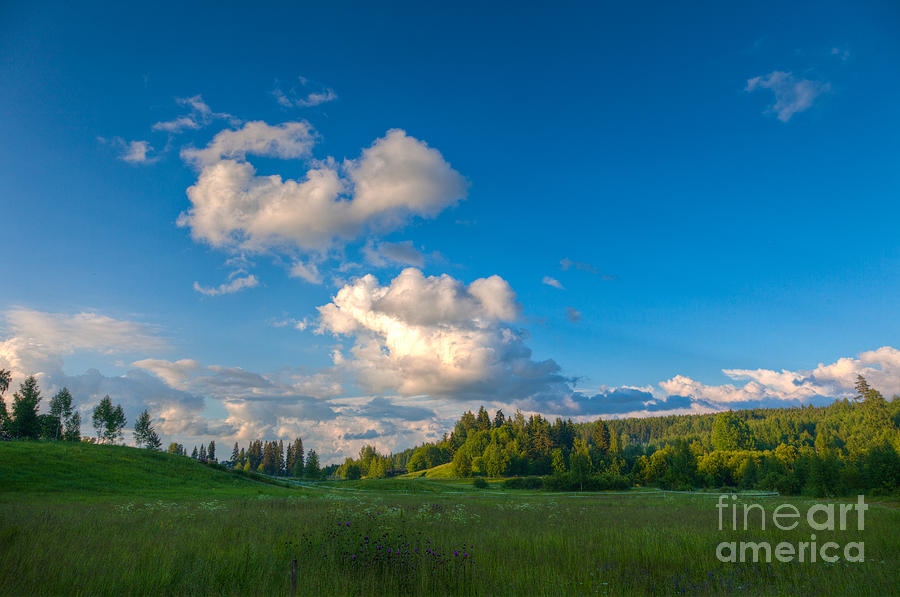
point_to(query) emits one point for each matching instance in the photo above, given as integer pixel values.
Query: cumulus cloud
(792, 94)
(437, 336)
(552, 282)
(236, 284)
(381, 254)
(767, 387)
(395, 179)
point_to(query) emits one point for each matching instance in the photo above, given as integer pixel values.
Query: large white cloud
(398, 177)
(766, 387)
(437, 336)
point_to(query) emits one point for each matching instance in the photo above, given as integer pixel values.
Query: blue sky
(711, 188)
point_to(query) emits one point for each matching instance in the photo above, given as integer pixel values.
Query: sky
(352, 222)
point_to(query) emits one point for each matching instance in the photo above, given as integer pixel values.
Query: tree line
(63, 422)
(848, 446)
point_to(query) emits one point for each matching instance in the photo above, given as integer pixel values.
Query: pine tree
(153, 442)
(483, 420)
(235, 455)
(202, 454)
(299, 461)
(25, 423)
(499, 419)
(600, 437)
(312, 465)
(211, 451)
(195, 454)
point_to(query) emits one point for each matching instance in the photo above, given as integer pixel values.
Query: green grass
(216, 534)
(90, 472)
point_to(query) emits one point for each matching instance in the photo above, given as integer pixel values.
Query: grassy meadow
(100, 520)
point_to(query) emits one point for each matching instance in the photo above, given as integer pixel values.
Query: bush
(524, 483)
(480, 483)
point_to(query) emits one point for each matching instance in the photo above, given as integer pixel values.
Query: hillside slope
(79, 469)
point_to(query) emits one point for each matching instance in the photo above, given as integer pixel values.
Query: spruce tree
(194, 454)
(153, 442)
(311, 469)
(25, 423)
(235, 455)
(211, 451)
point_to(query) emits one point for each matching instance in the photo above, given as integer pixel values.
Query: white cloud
(308, 271)
(381, 254)
(136, 153)
(232, 208)
(236, 284)
(792, 95)
(288, 140)
(552, 282)
(293, 99)
(436, 336)
(200, 115)
(786, 388)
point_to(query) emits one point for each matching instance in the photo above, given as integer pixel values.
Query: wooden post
(293, 577)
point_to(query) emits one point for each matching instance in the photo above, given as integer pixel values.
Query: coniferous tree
(202, 454)
(195, 454)
(153, 442)
(25, 423)
(312, 465)
(499, 419)
(299, 461)
(235, 454)
(211, 451)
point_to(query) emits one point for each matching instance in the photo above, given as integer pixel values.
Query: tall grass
(449, 544)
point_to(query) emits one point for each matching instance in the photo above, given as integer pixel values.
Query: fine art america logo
(787, 517)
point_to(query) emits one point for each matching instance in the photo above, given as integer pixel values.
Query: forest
(848, 446)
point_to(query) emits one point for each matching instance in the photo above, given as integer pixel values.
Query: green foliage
(108, 421)
(143, 429)
(24, 417)
(480, 483)
(730, 432)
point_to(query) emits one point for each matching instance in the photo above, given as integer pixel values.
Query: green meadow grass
(184, 529)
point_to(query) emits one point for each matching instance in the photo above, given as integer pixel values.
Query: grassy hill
(80, 470)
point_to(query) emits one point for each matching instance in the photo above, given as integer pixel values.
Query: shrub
(480, 483)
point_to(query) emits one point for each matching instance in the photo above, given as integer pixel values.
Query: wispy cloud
(303, 98)
(573, 314)
(199, 116)
(133, 152)
(792, 94)
(236, 284)
(381, 254)
(552, 282)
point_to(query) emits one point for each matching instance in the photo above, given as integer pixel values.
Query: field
(96, 520)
